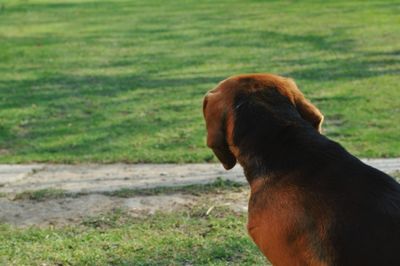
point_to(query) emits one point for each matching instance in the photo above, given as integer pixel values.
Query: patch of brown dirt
(73, 210)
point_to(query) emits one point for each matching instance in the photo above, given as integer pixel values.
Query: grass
(196, 189)
(185, 238)
(219, 185)
(41, 194)
(108, 81)
(396, 175)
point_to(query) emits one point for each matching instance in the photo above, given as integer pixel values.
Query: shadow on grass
(67, 106)
(361, 66)
(51, 89)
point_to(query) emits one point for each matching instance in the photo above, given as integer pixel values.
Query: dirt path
(91, 181)
(109, 177)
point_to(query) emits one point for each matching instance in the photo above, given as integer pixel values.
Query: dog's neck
(290, 149)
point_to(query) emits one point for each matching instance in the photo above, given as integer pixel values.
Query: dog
(311, 201)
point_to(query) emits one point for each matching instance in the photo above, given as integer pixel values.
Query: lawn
(108, 81)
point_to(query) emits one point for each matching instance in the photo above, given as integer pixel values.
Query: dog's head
(218, 110)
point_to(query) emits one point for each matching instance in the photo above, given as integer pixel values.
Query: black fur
(280, 145)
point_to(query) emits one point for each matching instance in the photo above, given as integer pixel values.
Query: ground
(128, 214)
(52, 194)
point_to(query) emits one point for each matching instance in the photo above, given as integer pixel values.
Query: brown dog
(311, 203)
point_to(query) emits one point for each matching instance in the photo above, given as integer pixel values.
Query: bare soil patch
(73, 210)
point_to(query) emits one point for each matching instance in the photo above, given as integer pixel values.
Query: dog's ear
(306, 109)
(215, 117)
(309, 112)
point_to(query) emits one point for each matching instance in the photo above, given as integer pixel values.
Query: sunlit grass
(107, 81)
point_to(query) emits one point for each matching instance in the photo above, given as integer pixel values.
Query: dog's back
(366, 225)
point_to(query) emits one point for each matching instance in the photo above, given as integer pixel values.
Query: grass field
(106, 81)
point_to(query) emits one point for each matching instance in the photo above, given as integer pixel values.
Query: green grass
(196, 189)
(184, 238)
(107, 81)
(41, 194)
(219, 185)
(396, 175)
